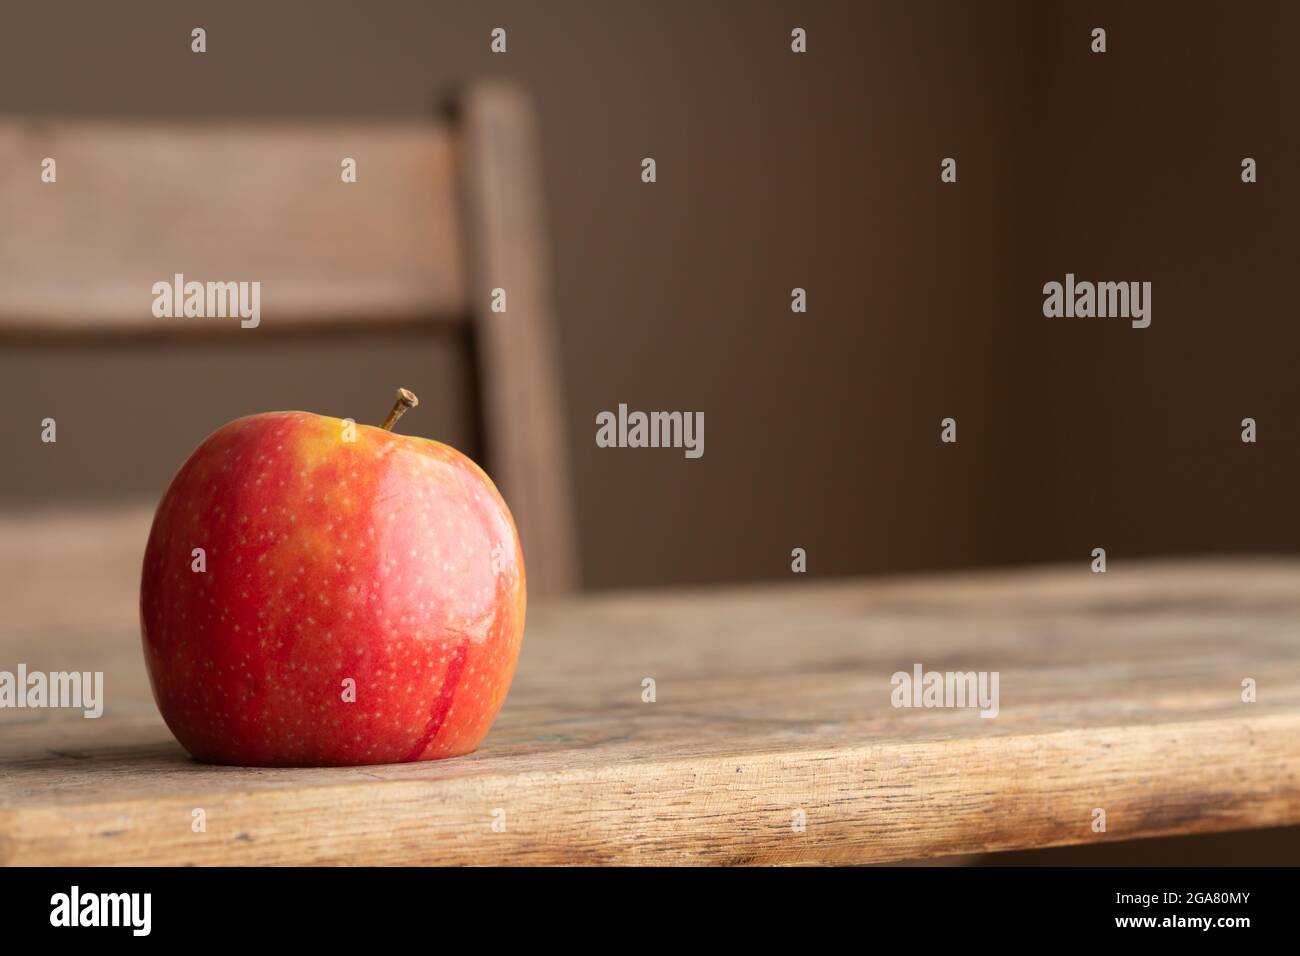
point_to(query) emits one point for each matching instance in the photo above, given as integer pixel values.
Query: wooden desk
(1119, 691)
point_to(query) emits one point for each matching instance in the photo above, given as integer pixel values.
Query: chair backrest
(442, 215)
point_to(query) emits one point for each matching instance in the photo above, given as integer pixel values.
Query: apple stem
(405, 399)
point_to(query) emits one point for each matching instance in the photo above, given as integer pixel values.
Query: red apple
(355, 601)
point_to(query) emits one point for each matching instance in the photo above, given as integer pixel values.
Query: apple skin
(391, 560)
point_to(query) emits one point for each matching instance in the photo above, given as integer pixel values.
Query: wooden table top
(1120, 691)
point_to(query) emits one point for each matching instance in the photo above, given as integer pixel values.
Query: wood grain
(441, 214)
(136, 203)
(1119, 691)
(517, 352)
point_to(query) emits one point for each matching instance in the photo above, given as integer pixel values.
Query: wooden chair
(443, 212)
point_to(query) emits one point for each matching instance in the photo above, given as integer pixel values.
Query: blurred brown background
(776, 171)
